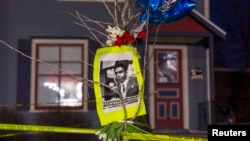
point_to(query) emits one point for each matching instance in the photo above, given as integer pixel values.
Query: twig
(55, 67)
(40, 61)
(85, 26)
(87, 19)
(123, 14)
(154, 43)
(73, 58)
(89, 29)
(113, 16)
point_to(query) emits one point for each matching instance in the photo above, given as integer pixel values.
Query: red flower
(142, 35)
(118, 41)
(127, 37)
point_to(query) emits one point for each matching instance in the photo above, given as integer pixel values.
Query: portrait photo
(120, 76)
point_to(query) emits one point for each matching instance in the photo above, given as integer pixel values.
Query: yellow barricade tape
(126, 135)
(8, 135)
(38, 128)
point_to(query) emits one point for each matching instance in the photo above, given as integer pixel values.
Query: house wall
(29, 18)
(20, 21)
(198, 88)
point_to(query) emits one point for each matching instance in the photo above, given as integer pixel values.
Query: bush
(63, 118)
(10, 116)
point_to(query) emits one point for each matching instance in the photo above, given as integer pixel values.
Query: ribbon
(124, 134)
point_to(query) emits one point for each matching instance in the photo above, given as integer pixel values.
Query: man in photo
(127, 85)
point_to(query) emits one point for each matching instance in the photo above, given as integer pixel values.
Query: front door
(168, 97)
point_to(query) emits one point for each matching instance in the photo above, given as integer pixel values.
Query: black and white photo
(121, 82)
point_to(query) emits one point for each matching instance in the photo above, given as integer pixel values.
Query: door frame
(152, 90)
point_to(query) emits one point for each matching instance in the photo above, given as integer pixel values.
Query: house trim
(209, 24)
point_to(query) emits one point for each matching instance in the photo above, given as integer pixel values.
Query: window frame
(33, 85)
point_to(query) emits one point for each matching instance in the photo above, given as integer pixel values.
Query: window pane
(167, 66)
(174, 110)
(72, 53)
(167, 93)
(161, 110)
(48, 53)
(72, 89)
(47, 69)
(74, 68)
(48, 91)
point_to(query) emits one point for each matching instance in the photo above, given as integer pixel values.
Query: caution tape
(126, 135)
(9, 135)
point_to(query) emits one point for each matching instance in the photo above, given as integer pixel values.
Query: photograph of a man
(127, 84)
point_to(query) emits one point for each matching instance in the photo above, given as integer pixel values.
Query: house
(45, 30)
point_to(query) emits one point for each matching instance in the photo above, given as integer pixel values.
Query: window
(174, 111)
(56, 73)
(167, 93)
(161, 110)
(167, 67)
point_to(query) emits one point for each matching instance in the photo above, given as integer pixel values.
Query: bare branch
(92, 29)
(87, 19)
(155, 40)
(89, 29)
(123, 13)
(114, 16)
(73, 58)
(86, 80)
(40, 61)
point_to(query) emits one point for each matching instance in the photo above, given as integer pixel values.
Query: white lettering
(216, 132)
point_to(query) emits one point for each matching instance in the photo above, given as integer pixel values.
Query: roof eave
(209, 24)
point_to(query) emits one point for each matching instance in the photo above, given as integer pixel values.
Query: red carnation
(142, 35)
(118, 41)
(128, 38)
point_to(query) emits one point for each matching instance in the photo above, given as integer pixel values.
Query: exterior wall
(198, 89)
(28, 18)
(20, 21)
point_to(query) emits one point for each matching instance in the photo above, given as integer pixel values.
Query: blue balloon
(164, 11)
